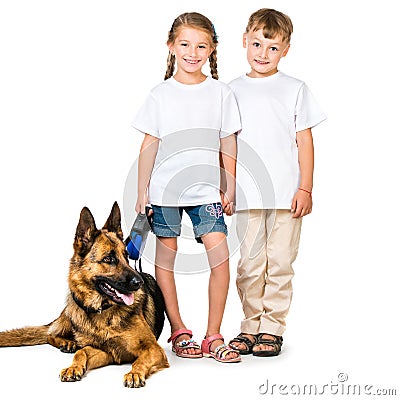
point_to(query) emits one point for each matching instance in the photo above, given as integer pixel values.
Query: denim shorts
(205, 218)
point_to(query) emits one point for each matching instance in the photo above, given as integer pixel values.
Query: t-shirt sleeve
(308, 112)
(146, 120)
(230, 115)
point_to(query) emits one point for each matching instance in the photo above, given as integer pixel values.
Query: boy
(274, 180)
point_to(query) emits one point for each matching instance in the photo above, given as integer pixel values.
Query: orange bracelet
(304, 190)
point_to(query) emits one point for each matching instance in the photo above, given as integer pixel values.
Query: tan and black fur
(113, 314)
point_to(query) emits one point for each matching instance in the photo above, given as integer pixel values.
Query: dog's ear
(85, 232)
(113, 223)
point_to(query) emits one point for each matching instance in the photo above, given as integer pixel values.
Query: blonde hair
(198, 21)
(272, 23)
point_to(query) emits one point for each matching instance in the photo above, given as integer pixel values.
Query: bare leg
(218, 258)
(165, 258)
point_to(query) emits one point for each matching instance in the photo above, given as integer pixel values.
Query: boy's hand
(301, 204)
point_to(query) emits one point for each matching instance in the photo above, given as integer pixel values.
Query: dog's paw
(68, 347)
(65, 345)
(134, 380)
(71, 374)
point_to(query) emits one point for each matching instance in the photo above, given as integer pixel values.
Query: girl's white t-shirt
(272, 110)
(189, 120)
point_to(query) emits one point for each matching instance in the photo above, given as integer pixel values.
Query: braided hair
(195, 20)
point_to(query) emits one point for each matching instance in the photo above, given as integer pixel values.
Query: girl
(188, 121)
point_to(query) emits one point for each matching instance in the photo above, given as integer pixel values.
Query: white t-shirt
(189, 120)
(272, 110)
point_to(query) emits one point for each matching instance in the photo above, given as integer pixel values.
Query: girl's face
(191, 47)
(263, 54)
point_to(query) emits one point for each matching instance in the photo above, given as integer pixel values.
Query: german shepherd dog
(113, 314)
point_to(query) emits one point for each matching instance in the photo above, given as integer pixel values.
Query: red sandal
(220, 352)
(179, 347)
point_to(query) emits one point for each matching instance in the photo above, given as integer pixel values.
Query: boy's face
(263, 54)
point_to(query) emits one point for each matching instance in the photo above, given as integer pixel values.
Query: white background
(72, 75)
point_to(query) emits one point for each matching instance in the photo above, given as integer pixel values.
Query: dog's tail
(28, 336)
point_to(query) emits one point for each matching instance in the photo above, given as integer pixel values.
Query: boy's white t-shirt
(272, 110)
(189, 120)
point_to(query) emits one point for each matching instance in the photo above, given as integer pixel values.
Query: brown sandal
(275, 342)
(241, 338)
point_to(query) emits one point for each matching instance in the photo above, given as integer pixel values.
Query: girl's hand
(301, 204)
(227, 204)
(147, 156)
(141, 203)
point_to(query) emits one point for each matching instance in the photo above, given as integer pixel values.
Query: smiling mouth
(262, 62)
(192, 62)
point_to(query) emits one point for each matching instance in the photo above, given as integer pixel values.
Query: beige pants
(269, 245)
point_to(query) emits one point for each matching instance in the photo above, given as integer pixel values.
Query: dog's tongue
(128, 299)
